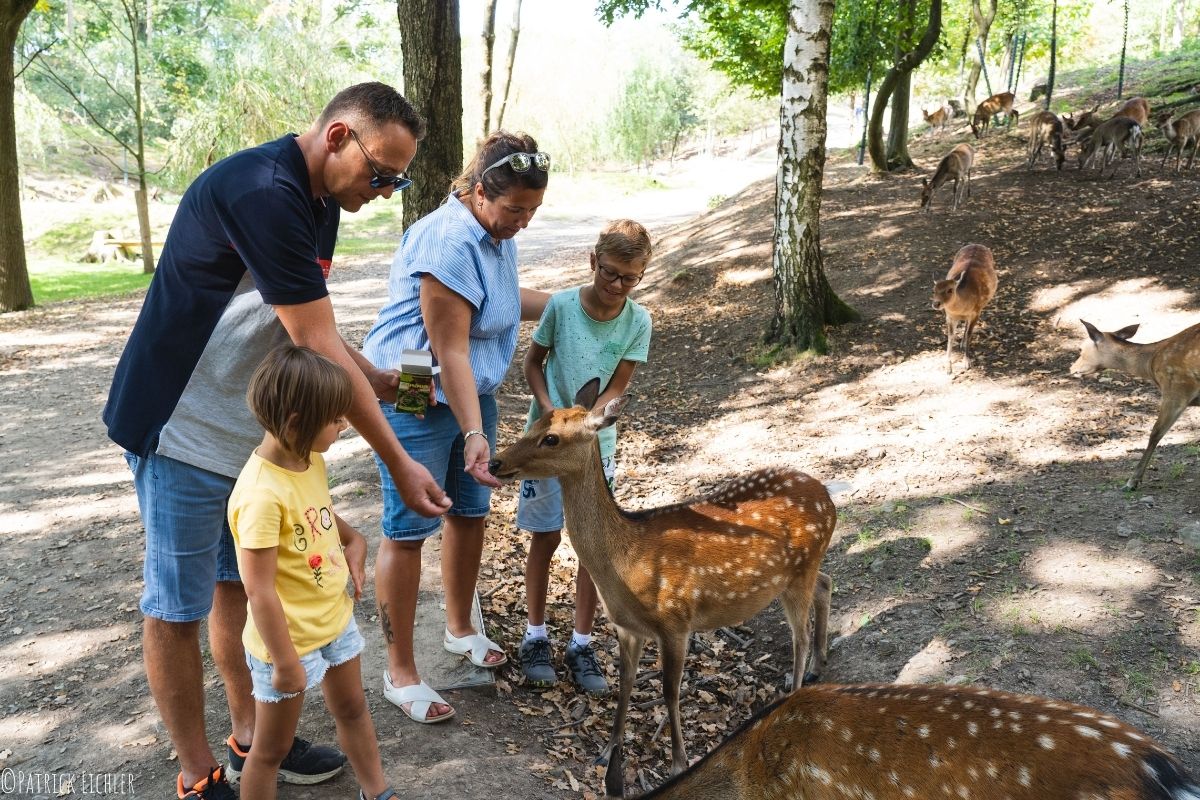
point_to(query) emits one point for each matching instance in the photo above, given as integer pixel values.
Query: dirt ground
(985, 538)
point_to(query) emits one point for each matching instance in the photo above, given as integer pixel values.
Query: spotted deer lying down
(895, 742)
(709, 562)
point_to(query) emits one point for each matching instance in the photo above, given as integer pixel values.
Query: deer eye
(549, 440)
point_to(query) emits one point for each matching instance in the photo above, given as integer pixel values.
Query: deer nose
(494, 465)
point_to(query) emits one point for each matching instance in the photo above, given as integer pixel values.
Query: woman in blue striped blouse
(453, 290)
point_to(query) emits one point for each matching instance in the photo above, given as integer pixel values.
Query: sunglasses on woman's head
(521, 162)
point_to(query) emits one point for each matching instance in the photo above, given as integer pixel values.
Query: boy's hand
(355, 550)
(289, 676)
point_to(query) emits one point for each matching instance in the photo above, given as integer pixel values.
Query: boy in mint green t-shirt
(589, 332)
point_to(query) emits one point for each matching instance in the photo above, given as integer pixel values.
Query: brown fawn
(1117, 133)
(1179, 133)
(1046, 128)
(985, 111)
(1084, 122)
(955, 165)
(896, 742)
(1172, 364)
(966, 290)
(1136, 109)
(702, 564)
(938, 119)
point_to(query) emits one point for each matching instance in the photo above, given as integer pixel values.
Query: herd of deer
(1099, 139)
(719, 559)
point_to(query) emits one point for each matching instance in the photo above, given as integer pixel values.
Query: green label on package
(412, 395)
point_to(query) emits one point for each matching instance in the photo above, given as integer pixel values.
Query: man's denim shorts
(188, 543)
(436, 442)
(347, 646)
(540, 508)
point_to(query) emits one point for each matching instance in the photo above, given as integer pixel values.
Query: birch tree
(488, 38)
(513, 35)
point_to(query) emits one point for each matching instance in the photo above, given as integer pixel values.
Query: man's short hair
(375, 104)
(624, 240)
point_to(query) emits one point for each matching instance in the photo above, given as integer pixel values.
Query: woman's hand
(384, 383)
(476, 455)
(289, 677)
(354, 548)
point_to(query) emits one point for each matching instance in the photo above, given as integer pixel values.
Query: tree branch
(39, 51)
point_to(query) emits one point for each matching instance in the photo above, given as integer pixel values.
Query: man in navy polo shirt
(243, 269)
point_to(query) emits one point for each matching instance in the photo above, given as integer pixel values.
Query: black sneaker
(534, 656)
(585, 669)
(214, 787)
(305, 763)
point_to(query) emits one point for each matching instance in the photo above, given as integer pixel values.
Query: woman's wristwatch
(469, 434)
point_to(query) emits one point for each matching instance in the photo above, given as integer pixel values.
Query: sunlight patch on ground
(47, 652)
(1088, 567)
(25, 337)
(26, 729)
(1161, 311)
(930, 665)
(745, 277)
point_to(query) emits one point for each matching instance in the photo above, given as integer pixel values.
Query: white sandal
(420, 698)
(475, 647)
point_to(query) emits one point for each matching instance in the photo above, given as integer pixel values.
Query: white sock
(535, 632)
(581, 639)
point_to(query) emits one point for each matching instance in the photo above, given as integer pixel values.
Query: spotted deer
(955, 165)
(966, 290)
(1178, 134)
(1172, 364)
(896, 742)
(985, 111)
(698, 565)
(1046, 128)
(938, 119)
(1117, 133)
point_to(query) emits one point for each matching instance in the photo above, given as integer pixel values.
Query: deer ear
(1092, 331)
(1126, 333)
(586, 396)
(608, 415)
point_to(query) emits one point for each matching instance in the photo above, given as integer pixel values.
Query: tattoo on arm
(386, 622)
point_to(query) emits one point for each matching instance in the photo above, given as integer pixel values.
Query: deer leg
(1192, 157)
(1137, 158)
(671, 653)
(822, 601)
(1168, 412)
(949, 345)
(954, 196)
(966, 342)
(797, 599)
(630, 646)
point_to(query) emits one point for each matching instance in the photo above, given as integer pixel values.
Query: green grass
(1083, 658)
(56, 281)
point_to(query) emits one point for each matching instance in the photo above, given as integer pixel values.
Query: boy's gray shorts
(540, 508)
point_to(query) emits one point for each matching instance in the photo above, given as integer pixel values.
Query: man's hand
(419, 491)
(476, 455)
(288, 676)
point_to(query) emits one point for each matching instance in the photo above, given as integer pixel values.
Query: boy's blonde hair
(295, 392)
(624, 240)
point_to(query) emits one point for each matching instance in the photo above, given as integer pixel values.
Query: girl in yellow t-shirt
(296, 556)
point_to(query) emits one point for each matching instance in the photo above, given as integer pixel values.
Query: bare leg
(225, 625)
(462, 549)
(276, 723)
(537, 574)
(355, 731)
(397, 582)
(171, 651)
(587, 600)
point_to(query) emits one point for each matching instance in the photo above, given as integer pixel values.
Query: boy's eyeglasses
(611, 275)
(381, 181)
(521, 162)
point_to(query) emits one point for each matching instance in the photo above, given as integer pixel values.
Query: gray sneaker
(534, 656)
(585, 669)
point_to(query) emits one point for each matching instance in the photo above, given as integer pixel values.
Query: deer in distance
(938, 119)
(1083, 123)
(708, 562)
(1118, 132)
(985, 111)
(1172, 364)
(1179, 133)
(898, 742)
(1046, 128)
(963, 294)
(955, 165)
(1137, 109)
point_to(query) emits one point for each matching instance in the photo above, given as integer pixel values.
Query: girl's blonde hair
(295, 392)
(503, 180)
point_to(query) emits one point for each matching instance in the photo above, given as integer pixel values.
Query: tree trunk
(1124, 42)
(140, 196)
(433, 84)
(984, 23)
(897, 143)
(485, 74)
(904, 66)
(1180, 8)
(804, 301)
(1053, 53)
(15, 291)
(512, 56)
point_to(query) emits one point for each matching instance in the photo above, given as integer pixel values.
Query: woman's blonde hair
(295, 392)
(503, 180)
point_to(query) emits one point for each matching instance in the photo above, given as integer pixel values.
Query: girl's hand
(289, 676)
(476, 455)
(355, 550)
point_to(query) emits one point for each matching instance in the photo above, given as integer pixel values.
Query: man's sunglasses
(521, 162)
(380, 181)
